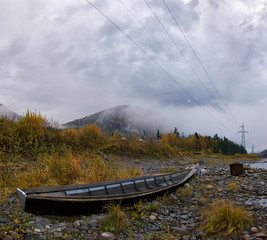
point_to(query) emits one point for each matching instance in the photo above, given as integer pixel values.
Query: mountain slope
(122, 119)
(5, 112)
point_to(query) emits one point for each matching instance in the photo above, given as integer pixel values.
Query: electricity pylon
(243, 141)
(252, 148)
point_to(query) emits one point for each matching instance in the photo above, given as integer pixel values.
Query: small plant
(117, 221)
(185, 191)
(151, 207)
(165, 198)
(232, 186)
(224, 217)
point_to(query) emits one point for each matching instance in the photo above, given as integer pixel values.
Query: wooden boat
(90, 198)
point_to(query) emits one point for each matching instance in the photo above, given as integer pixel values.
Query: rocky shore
(176, 215)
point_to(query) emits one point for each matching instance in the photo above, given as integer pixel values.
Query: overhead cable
(155, 62)
(188, 63)
(202, 66)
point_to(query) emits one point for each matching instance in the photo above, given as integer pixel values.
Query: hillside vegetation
(33, 135)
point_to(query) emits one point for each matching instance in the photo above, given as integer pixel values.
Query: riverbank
(173, 216)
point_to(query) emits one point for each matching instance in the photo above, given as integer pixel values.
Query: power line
(155, 62)
(202, 66)
(151, 35)
(188, 63)
(158, 43)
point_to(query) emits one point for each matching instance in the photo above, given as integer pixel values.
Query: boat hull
(66, 200)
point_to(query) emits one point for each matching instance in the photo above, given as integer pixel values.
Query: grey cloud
(68, 61)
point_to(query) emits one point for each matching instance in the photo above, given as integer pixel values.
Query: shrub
(31, 132)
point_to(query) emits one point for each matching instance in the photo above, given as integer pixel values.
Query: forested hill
(121, 119)
(264, 153)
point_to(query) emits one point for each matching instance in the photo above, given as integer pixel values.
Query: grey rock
(184, 217)
(199, 234)
(8, 238)
(93, 224)
(3, 220)
(5, 212)
(89, 237)
(186, 237)
(107, 236)
(33, 237)
(73, 230)
(58, 234)
(173, 196)
(180, 231)
(138, 237)
(11, 200)
(77, 224)
(41, 222)
(261, 235)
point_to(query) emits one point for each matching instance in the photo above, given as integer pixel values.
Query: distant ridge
(121, 119)
(5, 112)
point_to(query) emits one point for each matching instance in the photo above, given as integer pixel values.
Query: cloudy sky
(201, 64)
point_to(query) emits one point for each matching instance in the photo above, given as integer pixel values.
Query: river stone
(8, 238)
(107, 236)
(152, 218)
(58, 234)
(139, 237)
(37, 230)
(41, 222)
(261, 235)
(173, 196)
(3, 220)
(73, 230)
(246, 236)
(77, 224)
(89, 237)
(11, 200)
(180, 231)
(209, 187)
(185, 217)
(186, 237)
(254, 230)
(33, 237)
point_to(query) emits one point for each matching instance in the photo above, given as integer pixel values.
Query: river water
(263, 165)
(259, 164)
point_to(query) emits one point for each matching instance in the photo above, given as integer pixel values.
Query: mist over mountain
(5, 112)
(122, 119)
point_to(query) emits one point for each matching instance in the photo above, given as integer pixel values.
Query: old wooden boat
(90, 198)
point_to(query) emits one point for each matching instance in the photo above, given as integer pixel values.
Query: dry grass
(117, 221)
(185, 191)
(55, 169)
(224, 217)
(232, 186)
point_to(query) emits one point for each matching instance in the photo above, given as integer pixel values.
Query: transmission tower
(243, 132)
(252, 148)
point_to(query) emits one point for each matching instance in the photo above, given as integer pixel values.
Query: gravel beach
(177, 216)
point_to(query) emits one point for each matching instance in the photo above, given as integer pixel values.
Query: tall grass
(117, 220)
(69, 169)
(224, 216)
